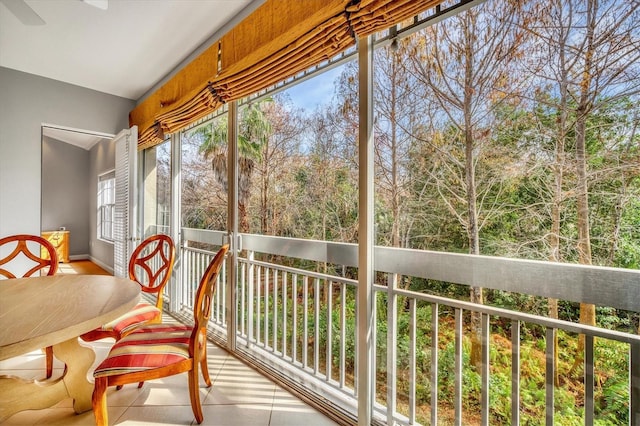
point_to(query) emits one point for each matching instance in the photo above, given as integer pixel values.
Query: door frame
(46, 165)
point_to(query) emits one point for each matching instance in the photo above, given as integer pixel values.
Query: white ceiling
(78, 137)
(124, 50)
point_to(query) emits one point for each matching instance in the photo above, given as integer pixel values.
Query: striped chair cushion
(148, 347)
(142, 313)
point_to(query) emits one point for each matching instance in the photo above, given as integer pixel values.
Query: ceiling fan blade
(100, 4)
(23, 12)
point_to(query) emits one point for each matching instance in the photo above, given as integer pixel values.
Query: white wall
(26, 102)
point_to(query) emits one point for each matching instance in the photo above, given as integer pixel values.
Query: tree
(469, 69)
(398, 111)
(203, 200)
(593, 45)
(253, 133)
(278, 153)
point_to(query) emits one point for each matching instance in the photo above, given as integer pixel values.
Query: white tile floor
(239, 396)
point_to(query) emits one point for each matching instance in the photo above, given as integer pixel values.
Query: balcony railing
(299, 324)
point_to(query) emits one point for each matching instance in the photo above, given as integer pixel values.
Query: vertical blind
(125, 201)
(278, 40)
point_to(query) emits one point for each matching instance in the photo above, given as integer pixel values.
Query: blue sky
(316, 91)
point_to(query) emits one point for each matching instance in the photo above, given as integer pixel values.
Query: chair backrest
(44, 256)
(204, 296)
(151, 264)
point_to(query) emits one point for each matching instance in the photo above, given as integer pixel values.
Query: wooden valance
(277, 41)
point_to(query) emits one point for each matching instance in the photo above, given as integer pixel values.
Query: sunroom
(433, 207)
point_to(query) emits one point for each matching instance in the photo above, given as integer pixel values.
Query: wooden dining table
(53, 311)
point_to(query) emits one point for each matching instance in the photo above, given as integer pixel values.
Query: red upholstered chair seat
(142, 313)
(148, 347)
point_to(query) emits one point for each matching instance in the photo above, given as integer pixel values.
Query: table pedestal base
(18, 394)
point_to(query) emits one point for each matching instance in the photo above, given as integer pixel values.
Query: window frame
(106, 205)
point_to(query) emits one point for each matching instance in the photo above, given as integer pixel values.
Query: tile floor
(239, 396)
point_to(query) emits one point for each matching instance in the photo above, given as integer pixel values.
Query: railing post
(294, 318)
(267, 295)
(187, 259)
(392, 339)
(515, 373)
(412, 360)
(274, 329)
(486, 342)
(549, 375)
(241, 317)
(343, 333)
(366, 360)
(329, 342)
(458, 365)
(634, 383)
(250, 283)
(434, 362)
(588, 380)
(259, 301)
(305, 320)
(316, 327)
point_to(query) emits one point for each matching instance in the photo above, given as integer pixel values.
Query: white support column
(149, 186)
(175, 226)
(366, 235)
(232, 224)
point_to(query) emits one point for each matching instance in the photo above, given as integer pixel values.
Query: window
(157, 189)
(106, 205)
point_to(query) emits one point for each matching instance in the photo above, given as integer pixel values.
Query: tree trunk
(264, 199)
(554, 238)
(558, 177)
(244, 221)
(617, 221)
(473, 234)
(587, 311)
(475, 295)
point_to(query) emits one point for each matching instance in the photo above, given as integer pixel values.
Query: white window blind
(124, 230)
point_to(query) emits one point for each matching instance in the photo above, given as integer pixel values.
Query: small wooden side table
(60, 240)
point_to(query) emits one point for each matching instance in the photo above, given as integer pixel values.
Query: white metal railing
(195, 262)
(301, 322)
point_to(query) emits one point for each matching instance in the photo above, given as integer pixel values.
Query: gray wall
(66, 192)
(28, 101)
(102, 159)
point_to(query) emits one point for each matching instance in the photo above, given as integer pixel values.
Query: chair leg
(120, 386)
(99, 401)
(204, 365)
(194, 393)
(48, 352)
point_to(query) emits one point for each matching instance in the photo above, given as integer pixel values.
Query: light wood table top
(41, 311)
(53, 311)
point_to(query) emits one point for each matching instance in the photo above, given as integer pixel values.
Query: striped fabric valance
(278, 40)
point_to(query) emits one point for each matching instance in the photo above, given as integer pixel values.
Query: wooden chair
(150, 266)
(42, 262)
(160, 350)
(22, 248)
